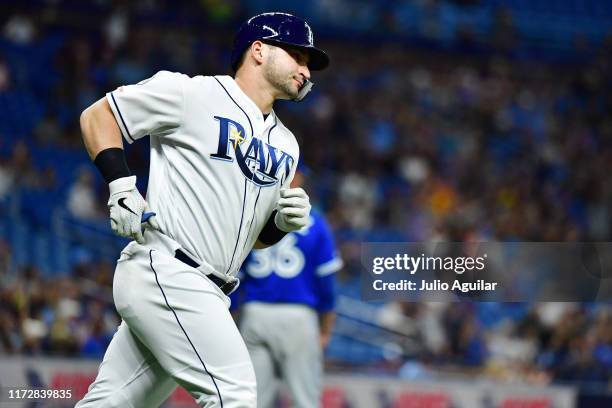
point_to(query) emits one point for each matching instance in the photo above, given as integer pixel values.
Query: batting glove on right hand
(126, 207)
(293, 210)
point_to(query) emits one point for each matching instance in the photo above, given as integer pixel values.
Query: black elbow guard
(270, 234)
(112, 164)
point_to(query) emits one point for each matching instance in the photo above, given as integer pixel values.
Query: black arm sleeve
(112, 164)
(270, 234)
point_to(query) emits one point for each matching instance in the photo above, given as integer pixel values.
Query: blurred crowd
(512, 342)
(433, 144)
(69, 315)
(409, 144)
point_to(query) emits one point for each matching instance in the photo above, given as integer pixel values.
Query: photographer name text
(436, 285)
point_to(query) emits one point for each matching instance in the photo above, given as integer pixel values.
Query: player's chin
(294, 95)
(291, 91)
(295, 88)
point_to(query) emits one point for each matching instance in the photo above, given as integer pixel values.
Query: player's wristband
(112, 165)
(270, 234)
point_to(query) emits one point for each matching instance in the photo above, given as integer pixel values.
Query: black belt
(226, 287)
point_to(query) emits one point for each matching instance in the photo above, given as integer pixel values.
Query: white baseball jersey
(217, 166)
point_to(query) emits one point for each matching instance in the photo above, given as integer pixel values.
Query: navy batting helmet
(278, 29)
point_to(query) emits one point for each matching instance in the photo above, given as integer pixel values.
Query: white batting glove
(126, 207)
(293, 209)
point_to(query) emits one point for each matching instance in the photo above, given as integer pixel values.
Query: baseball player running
(220, 171)
(286, 322)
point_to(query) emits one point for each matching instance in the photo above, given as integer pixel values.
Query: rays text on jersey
(259, 162)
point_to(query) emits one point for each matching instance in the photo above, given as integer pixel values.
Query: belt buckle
(228, 287)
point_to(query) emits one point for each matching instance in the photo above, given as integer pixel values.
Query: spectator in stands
(20, 28)
(5, 75)
(6, 178)
(24, 172)
(82, 198)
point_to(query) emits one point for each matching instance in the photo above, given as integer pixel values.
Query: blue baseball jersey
(300, 268)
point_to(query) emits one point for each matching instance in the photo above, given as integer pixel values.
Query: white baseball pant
(284, 341)
(176, 330)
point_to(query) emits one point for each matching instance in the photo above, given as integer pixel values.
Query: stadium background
(457, 119)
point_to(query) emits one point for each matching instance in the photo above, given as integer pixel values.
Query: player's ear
(258, 51)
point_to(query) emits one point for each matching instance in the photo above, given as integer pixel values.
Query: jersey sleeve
(328, 262)
(150, 107)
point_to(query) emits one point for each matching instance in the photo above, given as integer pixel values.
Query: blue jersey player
(287, 299)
